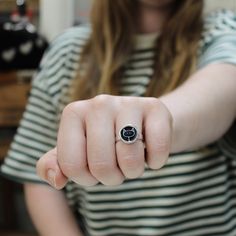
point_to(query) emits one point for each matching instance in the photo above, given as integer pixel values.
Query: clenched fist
(90, 147)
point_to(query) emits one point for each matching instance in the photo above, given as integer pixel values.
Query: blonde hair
(111, 43)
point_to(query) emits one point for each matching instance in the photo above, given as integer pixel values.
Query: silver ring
(129, 134)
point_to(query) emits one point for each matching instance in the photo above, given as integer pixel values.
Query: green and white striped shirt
(193, 195)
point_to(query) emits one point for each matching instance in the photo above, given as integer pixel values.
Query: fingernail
(51, 176)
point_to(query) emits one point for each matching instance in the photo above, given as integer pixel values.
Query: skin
(55, 207)
(51, 214)
(152, 15)
(104, 160)
(86, 150)
(96, 157)
(156, 4)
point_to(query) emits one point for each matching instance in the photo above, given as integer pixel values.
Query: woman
(172, 77)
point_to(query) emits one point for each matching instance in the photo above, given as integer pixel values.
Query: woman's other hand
(88, 151)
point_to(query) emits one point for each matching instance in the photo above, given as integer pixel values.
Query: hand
(87, 151)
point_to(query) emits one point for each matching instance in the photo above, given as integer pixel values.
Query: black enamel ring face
(128, 134)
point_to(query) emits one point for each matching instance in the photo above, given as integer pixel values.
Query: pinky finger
(49, 170)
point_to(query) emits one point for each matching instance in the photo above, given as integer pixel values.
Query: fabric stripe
(194, 194)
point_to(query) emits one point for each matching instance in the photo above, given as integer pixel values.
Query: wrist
(184, 121)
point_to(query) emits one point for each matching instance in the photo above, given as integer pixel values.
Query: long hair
(111, 43)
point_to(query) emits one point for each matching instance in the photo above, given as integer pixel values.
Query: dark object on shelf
(21, 46)
(22, 8)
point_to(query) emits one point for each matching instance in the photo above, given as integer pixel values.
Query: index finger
(71, 145)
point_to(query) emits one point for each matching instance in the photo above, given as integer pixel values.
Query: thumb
(49, 170)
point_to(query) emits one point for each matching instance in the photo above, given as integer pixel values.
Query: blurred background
(26, 28)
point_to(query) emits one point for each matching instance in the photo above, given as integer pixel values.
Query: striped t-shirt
(193, 195)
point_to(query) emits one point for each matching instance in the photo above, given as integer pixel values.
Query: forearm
(50, 212)
(203, 108)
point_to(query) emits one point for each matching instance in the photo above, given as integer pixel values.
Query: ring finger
(130, 156)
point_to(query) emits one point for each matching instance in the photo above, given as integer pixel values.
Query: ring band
(129, 134)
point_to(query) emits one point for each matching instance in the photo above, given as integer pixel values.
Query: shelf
(9, 5)
(4, 233)
(13, 98)
(19, 76)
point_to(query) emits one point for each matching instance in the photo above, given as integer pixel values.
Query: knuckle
(70, 169)
(113, 182)
(157, 106)
(158, 162)
(100, 168)
(74, 108)
(132, 167)
(70, 108)
(81, 180)
(101, 100)
(153, 103)
(130, 162)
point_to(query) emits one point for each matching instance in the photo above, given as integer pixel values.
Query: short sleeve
(37, 132)
(218, 45)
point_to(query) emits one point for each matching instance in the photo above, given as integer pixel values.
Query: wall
(217, 4)
(56, 15)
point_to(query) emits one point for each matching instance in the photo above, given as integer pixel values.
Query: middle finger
(101, 147)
